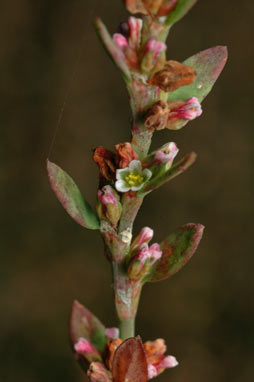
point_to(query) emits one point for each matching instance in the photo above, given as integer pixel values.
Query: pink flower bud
(139, 264)
(107, 196)
(135, 27)
(152, 371)
(143, 253)
(155, 46)
(109, 207)
(167, 153)
(120, 41)
(84, 346)
(145, 235)
(189, 110)
(112, 333)
(155, 252)
(168, 362)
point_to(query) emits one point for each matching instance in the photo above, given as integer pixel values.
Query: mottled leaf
(114, 52)
(84, 324)
(174, 171)
(71, 198)
(179, 11)
(177, 249)
(208, 65)
(129, 363)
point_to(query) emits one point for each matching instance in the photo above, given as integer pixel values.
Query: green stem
(127, 293)
(127, 328)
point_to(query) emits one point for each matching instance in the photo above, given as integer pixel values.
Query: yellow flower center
(134, 180)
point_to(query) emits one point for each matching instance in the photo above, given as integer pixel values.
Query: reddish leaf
(177, 249)
(84, 324)
(70, 197)
(129, 363)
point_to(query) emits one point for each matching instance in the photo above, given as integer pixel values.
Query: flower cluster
(103, 364)
(142, 255)
(172, 114)
(136, 55)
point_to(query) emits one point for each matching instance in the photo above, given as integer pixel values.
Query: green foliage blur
(50, 59)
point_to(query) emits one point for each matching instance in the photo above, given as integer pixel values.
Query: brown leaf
(129, 363)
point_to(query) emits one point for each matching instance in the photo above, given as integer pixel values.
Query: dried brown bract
(111, 347)
(172, 76)
(125, 154)
(106, 161)
(157, 116)
(98, 373)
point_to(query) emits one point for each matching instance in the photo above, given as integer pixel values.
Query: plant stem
(127, 293)
(127, 328)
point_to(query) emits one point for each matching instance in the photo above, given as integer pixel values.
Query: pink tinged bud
(112, 333)
(139, 264)
(120, 41)
(190, 110)
(84, 349)
(83, 346)
(152, 371)
(107, 196)
(167, 153)
(155, 46)
(145, 236)
(143, 253)
(155, 252)
(135, 27)
(168, 362)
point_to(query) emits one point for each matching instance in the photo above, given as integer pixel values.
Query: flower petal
(135, 166)
(122, 186)
(147, 173)
(122, 173)
(137, 188)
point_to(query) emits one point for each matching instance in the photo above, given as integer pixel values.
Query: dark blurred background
(49, 50)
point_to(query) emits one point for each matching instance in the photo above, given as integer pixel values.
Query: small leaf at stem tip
(179, 11)
(177, 249)
(83, 324)
(175, 170)
(114, 52)
(208, 65)
(71, 198)
(129, 363)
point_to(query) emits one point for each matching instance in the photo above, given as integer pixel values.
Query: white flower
(132, 178)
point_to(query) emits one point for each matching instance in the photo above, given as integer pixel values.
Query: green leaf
(114, 52)
(177, 249)
(179, 11)
(208, 65)
(174, 171)
(84, 324)
(71, 198)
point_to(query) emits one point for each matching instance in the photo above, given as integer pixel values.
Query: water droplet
(199, 86)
